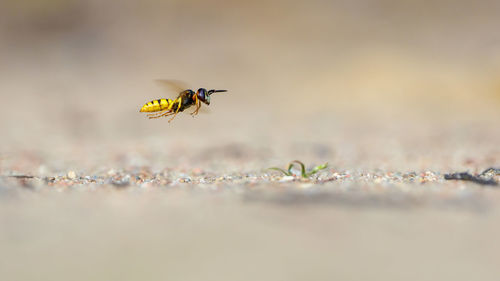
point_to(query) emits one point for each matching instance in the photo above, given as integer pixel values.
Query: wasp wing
(173, 86)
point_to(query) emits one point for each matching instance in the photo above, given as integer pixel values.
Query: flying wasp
(185, 99)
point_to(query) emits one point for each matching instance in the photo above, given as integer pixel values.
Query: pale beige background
(373, 87)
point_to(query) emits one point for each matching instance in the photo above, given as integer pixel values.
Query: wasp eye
(201, 94)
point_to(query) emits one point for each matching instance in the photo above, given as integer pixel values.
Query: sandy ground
(212, 212)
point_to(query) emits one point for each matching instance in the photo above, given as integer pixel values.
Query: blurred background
(75, 73)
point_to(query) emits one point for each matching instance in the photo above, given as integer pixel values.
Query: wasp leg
(158, 113)
(168, 113)
(179, 103)
(198, 105)
(162, 113)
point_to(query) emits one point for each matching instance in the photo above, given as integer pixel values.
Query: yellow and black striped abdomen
(157, 105)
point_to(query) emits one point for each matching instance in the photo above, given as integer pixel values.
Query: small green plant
(303, 172)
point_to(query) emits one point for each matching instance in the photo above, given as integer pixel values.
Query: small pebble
(71, 175)
(287, 179)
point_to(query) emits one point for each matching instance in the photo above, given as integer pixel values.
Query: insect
(185, 99)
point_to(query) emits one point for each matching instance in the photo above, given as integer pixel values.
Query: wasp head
(203, 96)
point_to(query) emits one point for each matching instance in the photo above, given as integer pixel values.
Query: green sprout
(303, 172)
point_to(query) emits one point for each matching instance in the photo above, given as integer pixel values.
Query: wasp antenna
(215, 91)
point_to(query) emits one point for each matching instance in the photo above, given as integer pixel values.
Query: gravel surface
(214, 211)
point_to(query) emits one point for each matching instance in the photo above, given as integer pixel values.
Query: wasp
(185, 99)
